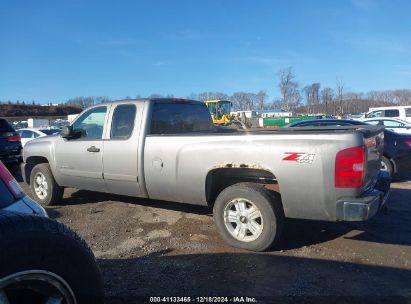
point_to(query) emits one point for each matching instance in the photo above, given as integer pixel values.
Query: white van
(401, 112)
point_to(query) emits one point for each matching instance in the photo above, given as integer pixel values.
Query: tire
(269, 220)
(53, 194)
(386, 165)
(33, 246)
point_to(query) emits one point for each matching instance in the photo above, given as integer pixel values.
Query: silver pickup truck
(168, 149)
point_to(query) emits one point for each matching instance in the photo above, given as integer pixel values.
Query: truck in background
(400, 112)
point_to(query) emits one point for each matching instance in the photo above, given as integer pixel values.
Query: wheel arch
(218, 179)
(392, 162)
(31, 162)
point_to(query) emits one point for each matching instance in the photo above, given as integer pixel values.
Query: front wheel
(44, 187)
(247, 216)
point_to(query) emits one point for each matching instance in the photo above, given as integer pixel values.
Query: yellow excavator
(220, 111)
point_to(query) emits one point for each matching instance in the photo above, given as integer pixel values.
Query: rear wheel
(247, 216)
(386, 165)
(43, 261)
(44, 187)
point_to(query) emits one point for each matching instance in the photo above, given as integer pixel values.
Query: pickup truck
(169, 149)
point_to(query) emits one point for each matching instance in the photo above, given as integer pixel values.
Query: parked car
(10, 145)
(28, 134)
(35, 252)
(169, 149)
(392, 124)
(12, 197)
(401, 112)
(397, 147)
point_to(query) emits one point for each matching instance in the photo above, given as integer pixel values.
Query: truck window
(91, 123)
(175, 118)
(374, 114)
(407, 112)
(392, 113)
(123, 121)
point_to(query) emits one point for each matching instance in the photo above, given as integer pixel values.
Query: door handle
(93, 149)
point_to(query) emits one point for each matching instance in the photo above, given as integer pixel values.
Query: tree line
(310, 98)
(16, 110)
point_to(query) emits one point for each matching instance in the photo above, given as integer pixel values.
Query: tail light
(408, 143)
(13, 138)
(10, 182)
(349, 167)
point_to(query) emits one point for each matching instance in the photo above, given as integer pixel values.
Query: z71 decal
(300, 157)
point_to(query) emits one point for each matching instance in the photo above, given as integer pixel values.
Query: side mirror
(68, 132)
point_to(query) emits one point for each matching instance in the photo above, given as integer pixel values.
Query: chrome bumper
(366, 206)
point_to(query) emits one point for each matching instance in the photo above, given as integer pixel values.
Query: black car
(10, 145)
(397, 147)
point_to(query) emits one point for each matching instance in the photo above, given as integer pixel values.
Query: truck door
(80, 160)
(120, 158)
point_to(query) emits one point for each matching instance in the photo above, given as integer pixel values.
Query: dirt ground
(154, 249)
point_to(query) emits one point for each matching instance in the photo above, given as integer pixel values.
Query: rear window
(6, 198)
(392, 113)
(408, 112)
(175, 118)
(5, 126)
(26, 134)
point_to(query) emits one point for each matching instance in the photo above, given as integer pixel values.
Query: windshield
(212, 106)
(225, 107)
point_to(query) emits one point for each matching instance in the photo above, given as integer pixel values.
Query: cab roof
(159, 100)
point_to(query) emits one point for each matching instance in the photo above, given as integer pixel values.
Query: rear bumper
(365, 207)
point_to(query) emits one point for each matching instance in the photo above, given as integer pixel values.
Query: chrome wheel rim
(40, 185)
(44, 286)
(384, 166)
(243, 220)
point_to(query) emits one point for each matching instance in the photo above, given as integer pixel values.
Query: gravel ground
(151, 248)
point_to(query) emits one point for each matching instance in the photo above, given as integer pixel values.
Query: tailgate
(374, 143)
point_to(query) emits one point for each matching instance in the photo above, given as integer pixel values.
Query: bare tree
(312, 96)
(340, 95)
(327, 95)
(82, 102)
(155, 95)
(290, 93)
(261, 99)
(243, 101)
(209, 96)
(308, 99)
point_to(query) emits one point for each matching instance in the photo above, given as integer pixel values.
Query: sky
(54, 50)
